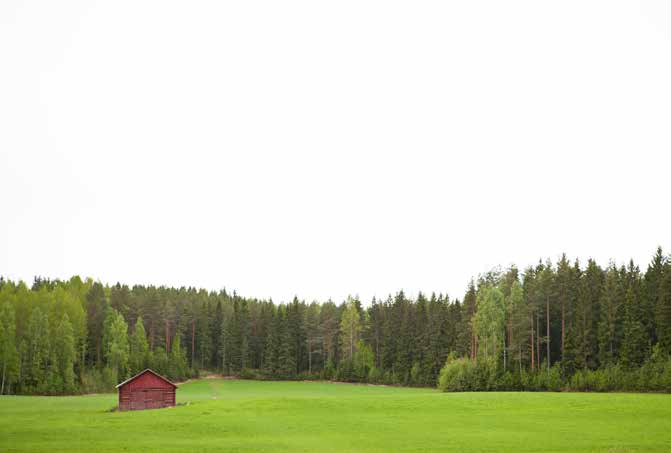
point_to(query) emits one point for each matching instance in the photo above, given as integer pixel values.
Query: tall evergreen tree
(96, 310)
(587, 317)
(663, 310)
(518, 313)
(651, 291)
(635, 346)
(611, 301)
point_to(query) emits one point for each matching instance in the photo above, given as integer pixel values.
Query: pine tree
(564, 292)
(519, 325)
(546, 281)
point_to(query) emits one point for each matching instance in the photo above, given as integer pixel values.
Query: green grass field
(226, 415)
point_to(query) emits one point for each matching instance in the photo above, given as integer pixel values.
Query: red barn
(146, 390)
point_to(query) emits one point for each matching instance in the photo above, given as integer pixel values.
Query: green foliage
(115, 344)
(178, 367)
(139, 348)
(611, 301)
(634, 348)
(9, 359)
(350, 328)
(663, 309)
(36, 351)
(65, 353)
(488, 321)
(56, 336)
(363, 361)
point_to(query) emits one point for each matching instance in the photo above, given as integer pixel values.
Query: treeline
(564, 327)
(551, 326)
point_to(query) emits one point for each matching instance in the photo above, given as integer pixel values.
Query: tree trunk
(4, 368)
(547, 329)
(510, 332)
(193, 342)
(504, 358)
(167, 337)
(351, 338)
(223, 357)
(474, 346)
(377, 348)
(309, 357)
(538, 339)
(563, 327)
(533, 355)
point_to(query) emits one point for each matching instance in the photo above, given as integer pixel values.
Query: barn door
(153, 399)
(137, 400)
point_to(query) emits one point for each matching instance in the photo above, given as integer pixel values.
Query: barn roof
(143, 372)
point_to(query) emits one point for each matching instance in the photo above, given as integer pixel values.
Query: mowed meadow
(236, 415)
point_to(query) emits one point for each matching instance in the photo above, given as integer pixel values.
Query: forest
(552, 326)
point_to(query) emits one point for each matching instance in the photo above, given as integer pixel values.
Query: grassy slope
(294, 416)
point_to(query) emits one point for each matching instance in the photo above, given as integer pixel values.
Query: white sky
(326, 148)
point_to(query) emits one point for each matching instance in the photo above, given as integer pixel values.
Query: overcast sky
(326, 148)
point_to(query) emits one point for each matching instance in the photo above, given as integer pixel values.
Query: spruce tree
(271, 352)
(651, 290)
(286, 358)
(611, 301)
(96, 311)
(587, 316)
(634, 348)
(568, 363)
(663, 310)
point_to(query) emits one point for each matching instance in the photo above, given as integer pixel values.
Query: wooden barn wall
(147, 391)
